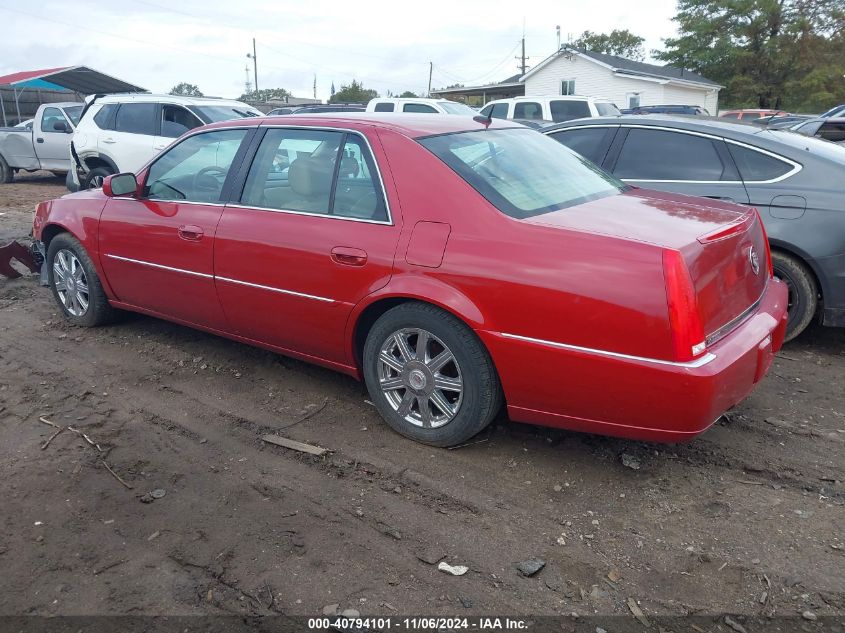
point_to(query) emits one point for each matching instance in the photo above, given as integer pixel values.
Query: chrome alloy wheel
(420, 378)
(70, 282)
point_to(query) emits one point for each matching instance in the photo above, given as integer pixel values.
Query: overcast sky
(386, 45)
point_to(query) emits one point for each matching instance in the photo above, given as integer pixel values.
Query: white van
(555, 108)
(419, 106)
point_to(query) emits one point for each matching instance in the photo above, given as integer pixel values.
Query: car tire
(82, 299)
(7, 174)
(94, 179)
(441, 394)
(803, 292)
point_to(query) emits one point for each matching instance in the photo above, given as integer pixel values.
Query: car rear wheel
(75, 284)
(95, 177)
(803, 292)
(429, 376)
(7, 174)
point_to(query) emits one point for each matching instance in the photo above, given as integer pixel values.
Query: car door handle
(109, 140)
(725, 198)
(158, 148)
(190, 232)
(39, 140)
(349, 256)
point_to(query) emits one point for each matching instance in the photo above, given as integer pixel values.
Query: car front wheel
(75, 284)
(95, 177)
(429, 376)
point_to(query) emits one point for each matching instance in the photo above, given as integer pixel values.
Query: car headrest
(310, 176)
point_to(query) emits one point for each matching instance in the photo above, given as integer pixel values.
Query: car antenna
(484, 120)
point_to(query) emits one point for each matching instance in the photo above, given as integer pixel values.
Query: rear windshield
(73, 113)
(216, 113)
(456, 108)
(520, 172)
(607, 109)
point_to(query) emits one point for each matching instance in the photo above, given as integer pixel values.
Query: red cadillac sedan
(452, 263)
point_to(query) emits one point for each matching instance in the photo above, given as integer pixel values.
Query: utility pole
(430, 71)
(254, 58)
(315, 85)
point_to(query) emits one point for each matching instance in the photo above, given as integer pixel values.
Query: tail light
(768, 247)
(684, 316)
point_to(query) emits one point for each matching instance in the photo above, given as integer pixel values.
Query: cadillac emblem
(754, 260)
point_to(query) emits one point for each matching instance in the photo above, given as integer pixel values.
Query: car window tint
(50, 117)
(756, 166)
(565, 110)
(520, 172)
(660, 155)
(384, 107)
(590, 142)
(527, 110)
(293, 170)
(500, 111)
(358, 191)
(105, 117)
(195, 169)
(176, 120)
(136, 118)
(418, 107)
(832, 132)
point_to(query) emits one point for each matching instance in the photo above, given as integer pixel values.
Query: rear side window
(384, 107)
(527, 110)
(756, 166)
(591, 142)
(418, 107)
(567, 110)
(105, 117)
(832, 132)
(136, 118)
(176, 120)
(660, 155)
(731, 115)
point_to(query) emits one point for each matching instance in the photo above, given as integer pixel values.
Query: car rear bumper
(553, 384)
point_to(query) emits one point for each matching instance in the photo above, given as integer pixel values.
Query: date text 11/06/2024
(418, 624)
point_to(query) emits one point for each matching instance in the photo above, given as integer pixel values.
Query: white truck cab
(419, 105)
(555, 108)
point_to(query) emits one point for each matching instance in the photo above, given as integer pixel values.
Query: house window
(567, 87)
(633, 100)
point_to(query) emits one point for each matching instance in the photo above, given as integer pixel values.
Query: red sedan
(452, 263)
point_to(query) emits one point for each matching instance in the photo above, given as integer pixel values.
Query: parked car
(837, 111)
(119, 133)
(614, 311)
(318, 108)
(418, 105)
(795, 182)
(783, 120)
(829, 129)
(750, 113)
(562, 108)
(42, 145)
(690, 110)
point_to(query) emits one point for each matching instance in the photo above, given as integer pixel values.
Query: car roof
(180, 99)
(549, 97)
(410, 125)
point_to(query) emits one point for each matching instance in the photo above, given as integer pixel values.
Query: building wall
(594, 80)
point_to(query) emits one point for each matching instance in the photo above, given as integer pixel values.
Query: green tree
(767, 53)
(409, 95)
(622, 43)
(265, 95)
(186, 90)
(353, 93)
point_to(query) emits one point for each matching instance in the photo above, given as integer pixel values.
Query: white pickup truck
(44, 145)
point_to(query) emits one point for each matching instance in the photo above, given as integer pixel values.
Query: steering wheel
(207, 171)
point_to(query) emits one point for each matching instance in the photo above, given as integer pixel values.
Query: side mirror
(60, 126)
(120, 185)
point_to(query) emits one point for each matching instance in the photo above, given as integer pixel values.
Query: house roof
(629, 67)
(79, 79)
(510, 82)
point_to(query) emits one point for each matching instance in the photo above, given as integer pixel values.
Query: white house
(626, 82)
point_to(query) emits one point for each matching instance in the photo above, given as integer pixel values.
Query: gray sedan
(797, 183)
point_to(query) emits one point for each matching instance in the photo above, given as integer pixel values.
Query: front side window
(136, 118)
(195, 169)
(563, 110)
(498, 111)
(591, 142)
(217, 113)
(418, 107)
(73, 113)
(756, 166)
(176, 120)
(50, 118)
(315, 171)
(384, 106)
(661, 155)
(520, 172)
(527, 110)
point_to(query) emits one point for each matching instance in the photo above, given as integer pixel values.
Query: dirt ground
(747, 519)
